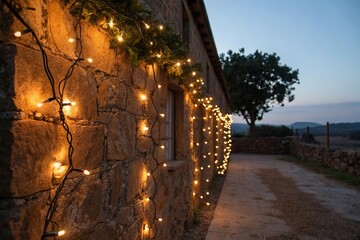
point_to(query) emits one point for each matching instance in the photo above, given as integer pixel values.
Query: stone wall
(106, 130)
(348, 161)
(343, 160)
(265, 145)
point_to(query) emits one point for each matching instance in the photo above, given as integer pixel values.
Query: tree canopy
(256, 82)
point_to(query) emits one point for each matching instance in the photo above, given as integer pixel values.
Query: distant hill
(241, 128)
(300, 125)
(336, 129)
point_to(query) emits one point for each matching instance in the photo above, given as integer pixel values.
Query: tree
(257, 82)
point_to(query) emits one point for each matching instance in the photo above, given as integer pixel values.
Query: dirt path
(306, 216)
(264, 198)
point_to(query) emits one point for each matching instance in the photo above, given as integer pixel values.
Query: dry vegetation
(340, 142)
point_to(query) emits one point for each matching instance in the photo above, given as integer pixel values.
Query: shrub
(238, 135)
(355, 135)
(272, 131)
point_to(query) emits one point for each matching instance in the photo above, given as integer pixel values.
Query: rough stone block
(112, 94)
(137, 178)
(96, 45)
(117, 186)
(124, 67)
(88, 142)
(26, 84)
(134, 102)
(121, 136)
(15, 216)
(29, 149)
(83, 206)
(60, 28)
(139, 76)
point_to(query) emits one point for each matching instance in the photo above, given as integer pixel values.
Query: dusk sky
(321, 38)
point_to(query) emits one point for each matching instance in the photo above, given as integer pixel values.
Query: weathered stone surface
(134, 102)
(14, 217)
(81, 206)
(121, 136)
(29, 82)
(139, 76)
(96, 45)
(117, 186)
(88, 144)
(30, 148)
(103, 231)
(60, 28)
(13, 115)
(124, 67)
(335, 158)
(112, 94)
(137, 178)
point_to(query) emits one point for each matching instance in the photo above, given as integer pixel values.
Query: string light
(206, 104)
(20, 33)
(120, 38)
(111, 23)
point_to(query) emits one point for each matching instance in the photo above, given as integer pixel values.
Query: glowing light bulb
(206, 142)
(158, 55)
(147, 26)
(57, 164)
(178, 64)
(194, 193)
(209, 166)
(148, 174)
(201, 196)
(147, 199)
(146, 229)
(161, 27)
(145, 128)
(111, 23)
(39, 104)
(196, 182)
(193, 73)
(207, 193)
(90, 60)
(189, 60)
(151, 43)
(196, 169)
(208, 203)
(197, 144)
(194, 91)
(160, 219)
(86, 172)
(207, 180)
(17, 34)
(159, 86)
(162, 146)
(143, 97)
(71, 40)
(20, 33)
(120, 38)
(61, 233)
(162, 115)
(164, 165)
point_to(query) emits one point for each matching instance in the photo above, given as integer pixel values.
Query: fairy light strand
(195, 89)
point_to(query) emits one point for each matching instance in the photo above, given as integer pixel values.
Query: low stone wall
(266, 145)
(348, 161)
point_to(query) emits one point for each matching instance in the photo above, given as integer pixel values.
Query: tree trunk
(252, 123)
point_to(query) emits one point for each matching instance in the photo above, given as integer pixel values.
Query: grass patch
(325, 170)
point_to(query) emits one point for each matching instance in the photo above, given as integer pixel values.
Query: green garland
(133, 30)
